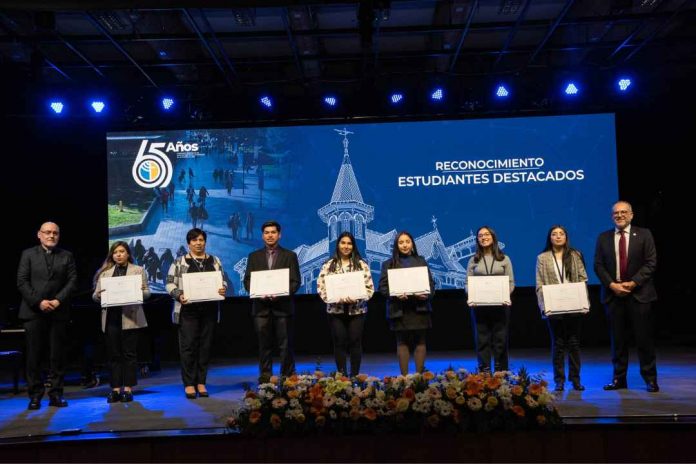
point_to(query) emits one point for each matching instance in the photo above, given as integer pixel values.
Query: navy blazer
(395, 306)
(36, 282)
(642, 262)
(282, 306)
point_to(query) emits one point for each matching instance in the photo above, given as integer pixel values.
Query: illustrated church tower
(346, 211)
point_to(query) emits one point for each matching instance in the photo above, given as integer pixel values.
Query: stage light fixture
(502, 92)
(167, 103)
(57, 106)
(266, 101)
(624, 83)
(438, 94)
(396, 98)
(571, 89)
(98, 106)
(330, 101)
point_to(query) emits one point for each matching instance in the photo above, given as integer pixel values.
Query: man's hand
(619, 289)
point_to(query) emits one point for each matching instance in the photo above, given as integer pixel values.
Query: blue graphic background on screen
(302, 163)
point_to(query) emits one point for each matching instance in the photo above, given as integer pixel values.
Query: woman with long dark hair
(119, 323)
(346, 317)
(491, 323)
(408, 315)
(560, 263)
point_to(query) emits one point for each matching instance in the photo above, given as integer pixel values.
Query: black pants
(346, 333)
(564, 331)
(121, 348)
(266, 328)
(491, 336)
(38, 333)
(626, 314)
(196, 328)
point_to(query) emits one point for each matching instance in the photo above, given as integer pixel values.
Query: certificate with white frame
(408, 281)
(348, 285)
(489, 290)
(271, 283)
(565, 298)
(121, 291)
(202, 286)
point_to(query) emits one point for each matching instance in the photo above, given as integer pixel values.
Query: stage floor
(160, 404)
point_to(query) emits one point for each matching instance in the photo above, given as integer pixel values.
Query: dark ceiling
(212, 54)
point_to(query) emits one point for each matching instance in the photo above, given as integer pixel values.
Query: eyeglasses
(50, 232)
(622, 212)
(484, 234)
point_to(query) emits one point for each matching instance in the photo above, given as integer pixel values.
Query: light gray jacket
(133, 315)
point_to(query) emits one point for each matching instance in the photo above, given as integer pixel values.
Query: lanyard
(559, 268)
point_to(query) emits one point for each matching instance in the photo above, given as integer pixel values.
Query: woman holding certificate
(196, 309)
(558, 264)
(346, 309)
(490, 308)
(112, 284)
(408, 312)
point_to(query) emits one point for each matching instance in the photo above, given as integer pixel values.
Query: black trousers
(346, 333)
(564, 331)
(196, 328)
(626, 314)
(121, 346)
(270, 327)
(491, 330)
(38, 333)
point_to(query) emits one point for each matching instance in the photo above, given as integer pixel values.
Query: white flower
(294, 403)
(474, 403)
(332, 414)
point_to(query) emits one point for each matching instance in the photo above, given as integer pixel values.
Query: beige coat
(546, 273)
(133, 315)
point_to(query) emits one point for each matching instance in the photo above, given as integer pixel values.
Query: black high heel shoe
(190, 396)
(578, 386)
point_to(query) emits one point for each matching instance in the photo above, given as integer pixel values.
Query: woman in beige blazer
(557, 264)
(118, 323)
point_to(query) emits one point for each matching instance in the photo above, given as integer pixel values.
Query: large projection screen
(439, 180)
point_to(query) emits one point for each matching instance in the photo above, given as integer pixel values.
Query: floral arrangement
(452, 400)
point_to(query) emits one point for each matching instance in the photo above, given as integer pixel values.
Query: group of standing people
(625, 262)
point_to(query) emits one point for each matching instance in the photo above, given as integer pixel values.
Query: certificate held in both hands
(272, 283)
(408, 281)
(202, 286)
(348, 285)
(121, 291)
(489, 290)
(565, 298)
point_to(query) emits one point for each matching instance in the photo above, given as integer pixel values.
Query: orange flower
(451, 375)
(451, 393)
(318, 374)
(493, 383)
(391, 404)
(275, 421)
(427, 375)
(517, 409)
(355, 402)
(473, 388)
(409, 394)
(293, 394)
(370, 414)
(516, 390)
(541, 420)
(273, 380)
(254, 417)
(362, 377)
(535, 389)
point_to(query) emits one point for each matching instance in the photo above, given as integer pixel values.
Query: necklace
(199, 262)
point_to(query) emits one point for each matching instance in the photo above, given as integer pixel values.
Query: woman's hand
(221, 291)
(182, 299)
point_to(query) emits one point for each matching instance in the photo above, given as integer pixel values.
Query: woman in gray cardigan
(491, 323)
(118, 323)
(557, 264)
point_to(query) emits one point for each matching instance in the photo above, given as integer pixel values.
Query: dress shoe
(126, 397)
(616, 384)
(113, 397)
(559, 387)
(578, 386)
(652, 386)
(203, 393)
(34, 403)
(57, 401)
(190, 395)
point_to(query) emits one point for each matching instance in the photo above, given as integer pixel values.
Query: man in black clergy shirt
(46, 278)
(273, 316)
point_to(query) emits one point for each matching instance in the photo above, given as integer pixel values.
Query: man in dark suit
(625, 261)
(46, 278)
(273, 315)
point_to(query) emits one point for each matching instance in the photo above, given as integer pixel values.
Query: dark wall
(57, 171)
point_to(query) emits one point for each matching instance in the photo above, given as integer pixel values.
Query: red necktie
(623, 259)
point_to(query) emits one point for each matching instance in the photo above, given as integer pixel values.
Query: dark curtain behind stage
(57, 171)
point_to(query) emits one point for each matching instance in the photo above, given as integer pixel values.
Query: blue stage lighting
(502, 92)
(571, 89)
(167, 103)
(438, 94)
(331, 101)
(266, 101)
(624, 83)
(162, 53)
(57, 107)
(396, 98)
(98, 106)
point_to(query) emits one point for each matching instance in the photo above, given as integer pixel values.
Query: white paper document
(489, 290)
(202, 286)
(270, 283)
(121, 291)
(565, 298)
(350, 285)
(408, 281)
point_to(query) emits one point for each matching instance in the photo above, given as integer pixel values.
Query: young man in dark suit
(625, 261)
(273, 315)
(46, 278)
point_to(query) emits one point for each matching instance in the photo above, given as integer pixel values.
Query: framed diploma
(202, 286)
(489, 290)
(121, 291)
(409, 281)
(270, 283)
(565, 298)
(347, 285)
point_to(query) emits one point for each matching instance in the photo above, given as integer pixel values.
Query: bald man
(46, 278)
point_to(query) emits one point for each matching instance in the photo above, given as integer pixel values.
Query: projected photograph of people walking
(440, 179)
